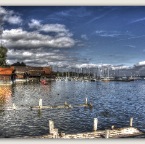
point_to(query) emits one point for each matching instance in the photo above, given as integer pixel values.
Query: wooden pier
(66, 105)
(41, 107)
(108, 133)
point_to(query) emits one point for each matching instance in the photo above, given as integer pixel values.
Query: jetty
(113, 132)
(66, 105)
(41, 107)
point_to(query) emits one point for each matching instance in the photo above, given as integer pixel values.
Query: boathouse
(32, 71)
(5, 73)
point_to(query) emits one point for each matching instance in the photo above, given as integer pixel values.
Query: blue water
(113, 104)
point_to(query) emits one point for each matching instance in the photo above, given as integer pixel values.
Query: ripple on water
(113, 104)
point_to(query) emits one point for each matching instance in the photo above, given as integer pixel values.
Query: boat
(43, 82)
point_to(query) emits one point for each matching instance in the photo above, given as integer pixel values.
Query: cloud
(131, 46)
(132, 37)
(18, 38)
(57, 29)
(9, 16)
(40, 57)
(137, 20)
(84, 36)
(108, 33)
(34, 24)
(101, 15)
(142, 63)
(119, 67)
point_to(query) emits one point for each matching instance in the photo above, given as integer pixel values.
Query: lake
(113, 104)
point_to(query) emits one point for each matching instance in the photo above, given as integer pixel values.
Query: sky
(74, 35)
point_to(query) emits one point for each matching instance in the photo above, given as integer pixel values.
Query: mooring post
(14, 106)
(107, 132)
(86, 101)
(65, 103)
(131, 121)
(51, 127)
(40, 103)
(55, 133)
(112, 127)
(62, 135)
(95, 124)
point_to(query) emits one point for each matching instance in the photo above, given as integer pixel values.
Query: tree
(19, 64)
(3, 56)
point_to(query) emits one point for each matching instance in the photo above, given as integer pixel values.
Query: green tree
(19, 64)
(3, 56)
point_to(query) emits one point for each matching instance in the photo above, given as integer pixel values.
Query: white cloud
(120, 67)
(18, 38)
(35, 58)
(2, 11)
(59, 29)
(84, 36)
(53, 28)
(86, 65)
(26, 53)
(9, 16)
(13, 19)
(34, 24)
(142, 63)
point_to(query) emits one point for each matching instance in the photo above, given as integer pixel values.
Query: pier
(41, 106)
(66, 105)
(113, 132)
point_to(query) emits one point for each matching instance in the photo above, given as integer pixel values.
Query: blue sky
(74, 35)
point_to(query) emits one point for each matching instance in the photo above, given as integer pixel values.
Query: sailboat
(108, 78)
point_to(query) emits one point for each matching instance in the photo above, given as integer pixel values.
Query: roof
(6, 71)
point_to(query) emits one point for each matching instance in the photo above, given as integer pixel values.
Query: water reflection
(5, 95)
(113, 104)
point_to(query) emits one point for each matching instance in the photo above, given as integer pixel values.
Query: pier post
(14, 106)
(40, 103)
(51, 127)
(112, 127)
(65, 103)
(86, 102)
(95, 124)
(131, 121)
(55, 133)
(107, 132)
(62, 135)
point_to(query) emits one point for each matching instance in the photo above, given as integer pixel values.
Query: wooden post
(40, 103)
(65, 103)
(86, 101)
(63, 135)
(55, 133)
(14, 106)
(107, 132)
(131, 121)
(95, 124)
(51, 127)
(112, 127)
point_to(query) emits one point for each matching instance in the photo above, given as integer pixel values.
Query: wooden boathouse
(5, 73)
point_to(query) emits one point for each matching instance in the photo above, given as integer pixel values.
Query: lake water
(113, 104)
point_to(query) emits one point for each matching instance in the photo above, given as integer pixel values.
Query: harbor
(72, 72)
(30, 106)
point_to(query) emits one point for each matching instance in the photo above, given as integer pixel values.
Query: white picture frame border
(72, 3)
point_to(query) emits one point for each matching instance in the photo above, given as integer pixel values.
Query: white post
(55, 133)
(51, 127)
(107, 132)
(131, 121)
(112, 127)
(40, 103)
(14, 106)
(95, 124)
(86, 101)
(65, 103)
